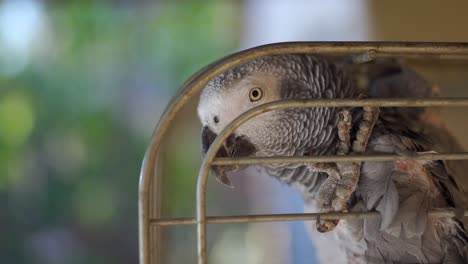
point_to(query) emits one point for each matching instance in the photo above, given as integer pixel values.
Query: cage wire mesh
(150, 191)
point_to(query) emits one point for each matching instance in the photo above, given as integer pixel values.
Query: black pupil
(255, 93)
(216, 119)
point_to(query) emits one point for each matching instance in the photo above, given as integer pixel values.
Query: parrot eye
(255, 94)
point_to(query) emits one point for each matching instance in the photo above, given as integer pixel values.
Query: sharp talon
(322, 228)
(326, 225)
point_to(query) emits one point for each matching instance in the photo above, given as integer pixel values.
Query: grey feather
(388, 206)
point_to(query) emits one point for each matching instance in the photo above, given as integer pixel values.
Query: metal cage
(150, 178)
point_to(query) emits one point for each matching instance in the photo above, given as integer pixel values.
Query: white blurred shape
(230, 248)
(296, 20)
(21, 24)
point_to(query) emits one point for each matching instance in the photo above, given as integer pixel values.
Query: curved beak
(234, 146)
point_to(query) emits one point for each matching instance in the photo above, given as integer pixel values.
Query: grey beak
(234, 146)
(207, 138)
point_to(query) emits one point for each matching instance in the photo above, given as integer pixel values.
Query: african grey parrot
(403, 191)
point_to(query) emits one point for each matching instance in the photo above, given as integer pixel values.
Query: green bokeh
(16, 119)
(69, 152)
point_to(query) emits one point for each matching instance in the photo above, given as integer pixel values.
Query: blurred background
(83, 83)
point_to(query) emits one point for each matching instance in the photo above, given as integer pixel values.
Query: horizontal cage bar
(337, 158)
(441, 212)
(376, 102)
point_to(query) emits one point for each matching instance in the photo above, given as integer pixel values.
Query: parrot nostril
(216, 119)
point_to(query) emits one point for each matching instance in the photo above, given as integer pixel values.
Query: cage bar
(236, 219)
(360, 51)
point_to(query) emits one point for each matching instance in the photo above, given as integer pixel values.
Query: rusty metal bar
(367, 51)
(379, 102)
(336, 158)
(235, 219)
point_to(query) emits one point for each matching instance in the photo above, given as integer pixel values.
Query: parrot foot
(337, 189)
(324, 226)
(327, 194)
(350, 171)
(370, 117)
(327, 167)
(324, 197)
(344, 133)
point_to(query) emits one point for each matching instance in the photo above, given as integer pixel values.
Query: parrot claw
(342, 180)
(324, 226)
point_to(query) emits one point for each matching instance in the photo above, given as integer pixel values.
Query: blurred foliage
(76, 119)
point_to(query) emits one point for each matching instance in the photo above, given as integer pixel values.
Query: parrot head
(279, 132)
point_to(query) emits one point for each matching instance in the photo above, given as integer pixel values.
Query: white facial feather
(226, 102)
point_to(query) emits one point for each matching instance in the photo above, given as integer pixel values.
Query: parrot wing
(392, 79)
